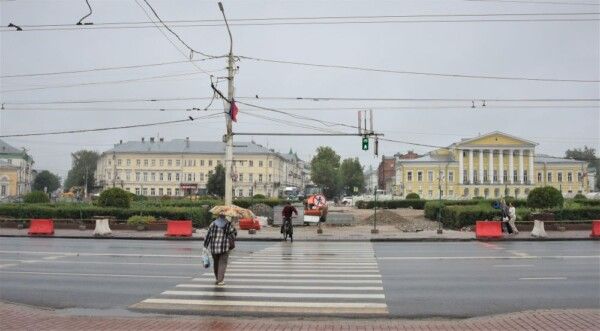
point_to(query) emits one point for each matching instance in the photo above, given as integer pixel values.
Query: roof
(468, 140)
(430, 158)
(8, 149)
(543, 158)
(181, 146)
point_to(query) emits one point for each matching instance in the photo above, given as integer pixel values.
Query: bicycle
(288, 229)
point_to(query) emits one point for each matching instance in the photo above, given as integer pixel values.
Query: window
(250, 178)
(430, 176)
(270, 164)
(270, 177)
(549, 177)
(241, 193)
(177, 177)
(161, 163)
(153, 191)
(137, 191)
(161, 177)
(169, 191)
(177, 191)
(430, 193)
(138, 162)
(505, 176)
(579, 178)
(251, 163)
(260, 163)
(169, 176)
(169, 162)
(485, 176)
(128, 175)
(153, 176)
(515, 176)
(194, 163)
(201, 175)
(145, 176)
(160, 191)
(465, 176)
(495, 176)
(210, 163)
(475, 177)
(128, 162)
(260, 178)
(525, 176)
(409, 176)
(145, 191)
(559, 177)
(3, 190)
(153, 162)
(189, 177)
(241, 177)
(109, 162)
(218, 162)
(145, 163)
(177, 163)
(119, 162)
(137, 176)
(539, 177)
(202, 163)
(570, 177)
(450, 176)
(420, 176)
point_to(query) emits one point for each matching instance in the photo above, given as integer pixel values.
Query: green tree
(46, 179)
(114, 197)
(216, 181)
(84, 162)
(351, 176)
(544, 198)
(587, 154)
(325, 172)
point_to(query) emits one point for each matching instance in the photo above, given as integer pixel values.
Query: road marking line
(531, 257)
(100, 254)
(257, 263)
(299, 281)
(288, 287)
(276, 295)
(53, 257)
(90, 275)
(273, 304)
(543, 278)
(7, 265)
(512, 265)
(318, 271)
(270, 275)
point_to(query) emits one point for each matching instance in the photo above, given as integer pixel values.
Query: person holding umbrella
(219, 240)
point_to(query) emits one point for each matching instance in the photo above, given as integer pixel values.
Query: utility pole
(227, 104)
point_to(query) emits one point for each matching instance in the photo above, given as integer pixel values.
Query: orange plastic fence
(595, 229)
(312, 212)
(180, 228)
(246, 223)
(41, 227)
(488, 229)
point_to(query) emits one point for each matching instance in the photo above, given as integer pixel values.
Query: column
(521, 168)
(511, 166)
(501, 166)
(470, 166)
(480, 166)
(491, 166)
(531, 174)
(461, 166)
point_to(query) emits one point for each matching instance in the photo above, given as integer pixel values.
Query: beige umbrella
(232, 211)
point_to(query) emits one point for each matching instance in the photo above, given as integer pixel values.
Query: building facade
(181, 167)
(489, 166)
(386, 173)
(16, 171)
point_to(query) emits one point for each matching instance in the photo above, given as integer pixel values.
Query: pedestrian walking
(219, 240)
(505, 217)
(512, 217)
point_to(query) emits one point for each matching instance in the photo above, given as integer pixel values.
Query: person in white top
(512, 214)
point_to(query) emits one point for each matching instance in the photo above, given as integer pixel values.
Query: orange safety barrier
(256, 224)
(246, 223)
(312, 212)
(488, 229)
(180, 228)
(595, 229)
(41, 227)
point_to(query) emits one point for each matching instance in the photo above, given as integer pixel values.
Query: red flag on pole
(233, 111)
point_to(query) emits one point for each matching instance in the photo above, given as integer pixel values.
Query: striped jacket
(217, 239)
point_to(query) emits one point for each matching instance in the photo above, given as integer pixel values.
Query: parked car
(346, 201)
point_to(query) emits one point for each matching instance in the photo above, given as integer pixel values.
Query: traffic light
(365, 143)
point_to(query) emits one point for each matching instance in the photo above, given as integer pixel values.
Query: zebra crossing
(315, 278)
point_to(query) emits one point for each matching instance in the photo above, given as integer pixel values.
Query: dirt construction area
(408, 220)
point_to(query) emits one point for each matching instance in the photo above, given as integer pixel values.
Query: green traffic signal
(365, 143)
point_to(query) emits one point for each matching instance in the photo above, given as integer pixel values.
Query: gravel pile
(260, 209)
(412, 224)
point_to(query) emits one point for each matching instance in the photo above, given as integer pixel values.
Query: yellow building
(490, 166)
(181, 167)
(16, 173)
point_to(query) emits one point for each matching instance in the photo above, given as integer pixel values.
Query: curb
(312, 240)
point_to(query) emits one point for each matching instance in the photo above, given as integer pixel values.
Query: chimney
(151, 139)
(143, 139)
(162, 140)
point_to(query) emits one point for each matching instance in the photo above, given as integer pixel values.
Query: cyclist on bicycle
(286, 213)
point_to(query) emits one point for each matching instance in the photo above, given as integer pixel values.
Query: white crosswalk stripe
(301, 278)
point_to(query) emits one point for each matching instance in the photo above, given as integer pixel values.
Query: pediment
(496, 139)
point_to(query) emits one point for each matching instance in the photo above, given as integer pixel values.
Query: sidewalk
(17, 317)
(309, 233)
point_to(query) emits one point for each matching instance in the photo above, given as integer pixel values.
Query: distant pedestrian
(512, 217)
(219, 240)
(505, 217)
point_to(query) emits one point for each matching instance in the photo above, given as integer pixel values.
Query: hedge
(36, 197)
(392, 204)
(587, 202)
(244, 202)
(200, 217)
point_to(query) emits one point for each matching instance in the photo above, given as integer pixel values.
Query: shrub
(456, 217)
(432, 208)
(246, 203)
(258, 196)
(140, 220)
(412, 196)
(478, 198)
(391, 204)
(36, 197)
(114, 197)
(588, 202)
(165, 198)
(544, 198)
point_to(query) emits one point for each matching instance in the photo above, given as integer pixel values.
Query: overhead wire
(542, 2)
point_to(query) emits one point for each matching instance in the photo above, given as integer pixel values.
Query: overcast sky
(562, 50)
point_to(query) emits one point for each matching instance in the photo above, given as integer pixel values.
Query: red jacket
(288, 210)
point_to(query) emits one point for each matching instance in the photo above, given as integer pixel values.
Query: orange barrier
(312, 212)
(246, 223)
(41, 227)
(488, 229)
(595, 229)
(181, 228)
(256, 224)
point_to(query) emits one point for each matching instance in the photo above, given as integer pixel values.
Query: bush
(432, 208)
(579, 196)
(114, 197)
(588, 202)
(165, 198)
(36, 197)
(456, 217)
(258, 196)
(544, 198)
(140, 220)
(246, 203)
(391, 204)
(412, 196)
